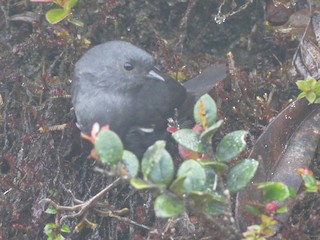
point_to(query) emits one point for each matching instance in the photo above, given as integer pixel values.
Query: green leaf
(168, 206)
(59, 237)
(252, 210)
(268, 221)
(311, 80)
(48, 227)
(196, 176)
(292, 192)
(177, 184)
(316, 88)
(59, 2)
(56, 15)
(50, 210)
(231, 145)
(207, 135)
(65, 228)
(310, 182)
(311, 97)
(70, 4)
(210, 111)
(274, 191)
(130, 163)
(205, 194)
(211, 180)
(310, 89)
(317, 101)
(241, 174)
(140, 184)
(200, 197)
(157, 165)
(282, 209)
(76, 22)
(303, 85)
(218, 167)
(313, 83)
(190, 140)
(210, 203)
(301, 95)
(109, 147)
(51, 235)
(214, 208)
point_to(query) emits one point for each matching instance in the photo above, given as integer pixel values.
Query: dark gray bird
(116, 83)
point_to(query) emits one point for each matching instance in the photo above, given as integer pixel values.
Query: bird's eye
(128, 66)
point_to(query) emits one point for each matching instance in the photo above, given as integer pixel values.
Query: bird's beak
(152, 74)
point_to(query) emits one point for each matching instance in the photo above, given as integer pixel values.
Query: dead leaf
(288, 143)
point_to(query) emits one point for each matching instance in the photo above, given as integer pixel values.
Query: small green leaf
(292, 192)
(168, 206)
(157, 165)
(252, 210)
(210, 110)
(59, 2)
(274, 191)
(177, 185)
(241, 174)
(231, 145)
(313, 83)
(65, 228)
(50, 210)
(317, 101)
(51, 235)
(140, 184)
(56, 15)
(282, 209)
(196, 176)
(310, 182)
(218, 167)
(301, 95)
(200, 197)
(268, 221)
(76, 22)
(214, 208)
(303, 85)
(109, 147)
(310, 89)
(209, 203)
(207, 135)
(190, 140)
(48, 227)
(59, 237)
(130, 163)
(70, 4)
(316, 88)
(311, 97)
(206, 193)
(211, 180)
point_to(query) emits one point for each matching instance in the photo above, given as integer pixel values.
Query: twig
(83, 207)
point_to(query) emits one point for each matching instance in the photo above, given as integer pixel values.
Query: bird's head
(116, 65)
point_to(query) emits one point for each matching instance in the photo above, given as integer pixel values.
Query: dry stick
(295, 55)
(83, 207)
(127, 220)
